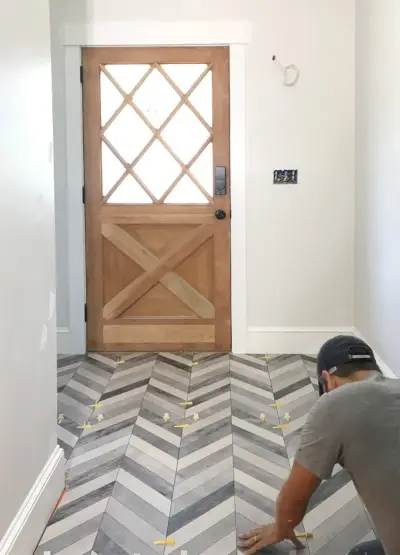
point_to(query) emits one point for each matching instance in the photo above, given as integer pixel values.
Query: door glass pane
(157, 169)
(184, 75)
(111, 99)
(129, 192)
(186, 192)
(201, 98)
(185, 134)
(127, 75)
(128, 134)
(111, 168)
(202, 169)
(156, 98)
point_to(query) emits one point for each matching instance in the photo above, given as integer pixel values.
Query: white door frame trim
(234, 34)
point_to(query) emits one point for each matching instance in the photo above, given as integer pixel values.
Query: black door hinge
(85, 312)
(83, 195)
(81, 74)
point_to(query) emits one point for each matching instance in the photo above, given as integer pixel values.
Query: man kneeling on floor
(358, 426)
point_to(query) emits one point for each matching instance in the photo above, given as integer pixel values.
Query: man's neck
(360, 375)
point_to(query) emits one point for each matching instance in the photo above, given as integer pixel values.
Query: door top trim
(157, 34)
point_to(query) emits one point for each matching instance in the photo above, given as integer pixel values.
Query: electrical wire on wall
(291, 73)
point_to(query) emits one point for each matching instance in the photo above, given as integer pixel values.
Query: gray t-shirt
(358, 426)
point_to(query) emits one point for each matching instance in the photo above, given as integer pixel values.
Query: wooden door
(156, 127)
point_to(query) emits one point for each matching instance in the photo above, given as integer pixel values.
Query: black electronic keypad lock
(220, 181)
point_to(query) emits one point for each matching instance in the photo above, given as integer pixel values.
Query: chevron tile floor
(133, 478)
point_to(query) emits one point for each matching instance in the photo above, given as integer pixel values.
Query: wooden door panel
(156, 123)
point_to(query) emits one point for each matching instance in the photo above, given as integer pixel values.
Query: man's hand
(267, 535)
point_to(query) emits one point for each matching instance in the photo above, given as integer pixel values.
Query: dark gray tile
(205, 436)
(156, 441)
(291, 388)
(211, 395)
(125, 389)
(253, 498)
(205, 463)
(125, 427)
(141, 508)
(258, 473)
(328, 488)
(261, 441)
(87, 471)
(72, 536)
(106, 546)
(176, 363)
(81, 503)
(200, 508)
(258, 364)
(147, 477)
(123, 538)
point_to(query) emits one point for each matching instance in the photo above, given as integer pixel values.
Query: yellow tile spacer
(304, 535)
(165, 542)
(96, 405)
(186, 403)
(195, 363)
(275, 405)
(84, 427)
(280, 427)
(182, 426)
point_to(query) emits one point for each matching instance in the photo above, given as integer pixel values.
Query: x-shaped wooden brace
(158, 270)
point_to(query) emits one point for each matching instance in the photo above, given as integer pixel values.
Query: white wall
(377, 282)
(27, 324)
(299, 239)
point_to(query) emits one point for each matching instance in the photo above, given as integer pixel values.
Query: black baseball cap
(342, 350)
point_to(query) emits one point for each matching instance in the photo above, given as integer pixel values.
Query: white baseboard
(300, 340)
(69, 343)
(386, 371)
(27, 527)
(63, 340)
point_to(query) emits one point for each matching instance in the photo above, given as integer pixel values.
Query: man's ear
(325, 375)
(330, 381)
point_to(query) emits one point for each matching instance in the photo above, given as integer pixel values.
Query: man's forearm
(290, 510)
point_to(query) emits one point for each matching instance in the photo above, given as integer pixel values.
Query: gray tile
(184, 501)
(205, 463)
(203, 541)
(348, 537)
(90, 470)
(147, 477)
(259, 474)
(157, 442)
(164, 465)
(261, 502)
(143, 509)
(106, 546)
(123, 538)
(262, 442)
(200, 507)
(104, 437)
(71, 536)
(328, 488)
(292, 388)
(206, 436)
(81, 503)
(141, 529)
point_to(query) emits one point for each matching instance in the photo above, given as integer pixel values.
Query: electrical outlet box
(285, 177)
